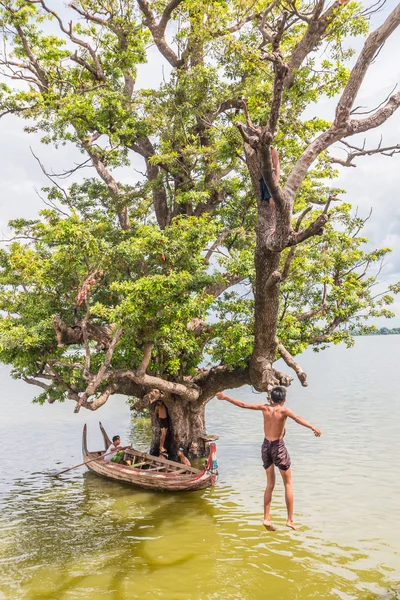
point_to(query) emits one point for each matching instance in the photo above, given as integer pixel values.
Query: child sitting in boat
(273, 450)
(182, 458)
(115, 452)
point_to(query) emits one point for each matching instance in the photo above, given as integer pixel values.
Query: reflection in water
(101, 538)
(82, 537)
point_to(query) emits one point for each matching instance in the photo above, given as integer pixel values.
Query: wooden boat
(151, 472)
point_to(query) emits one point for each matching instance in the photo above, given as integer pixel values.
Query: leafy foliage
(158, 280)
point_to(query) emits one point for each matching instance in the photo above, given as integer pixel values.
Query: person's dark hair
(278, 394)
(115, 438)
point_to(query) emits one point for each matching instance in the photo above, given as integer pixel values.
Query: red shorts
(275, 453)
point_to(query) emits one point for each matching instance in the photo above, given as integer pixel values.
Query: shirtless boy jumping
(273, 450)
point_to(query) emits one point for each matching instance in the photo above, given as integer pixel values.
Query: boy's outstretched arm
(222, 396)
(301, 421)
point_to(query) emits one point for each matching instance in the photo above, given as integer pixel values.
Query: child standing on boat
(273, 451)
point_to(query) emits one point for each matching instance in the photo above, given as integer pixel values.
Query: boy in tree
(273, 450)
(162, 414)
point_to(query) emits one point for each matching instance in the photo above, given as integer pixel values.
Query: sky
(373, 184)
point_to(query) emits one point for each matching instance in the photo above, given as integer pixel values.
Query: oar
(84, 463)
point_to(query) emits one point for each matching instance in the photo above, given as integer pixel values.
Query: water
(81, 537)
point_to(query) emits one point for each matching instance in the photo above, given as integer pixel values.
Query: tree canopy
(129, 287)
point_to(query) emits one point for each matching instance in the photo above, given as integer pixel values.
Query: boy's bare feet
(268, 525)
(291, 524)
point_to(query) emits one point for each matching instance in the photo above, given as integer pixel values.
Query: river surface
(81, 537)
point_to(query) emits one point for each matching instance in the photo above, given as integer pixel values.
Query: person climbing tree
(264, 191)
(162, 414)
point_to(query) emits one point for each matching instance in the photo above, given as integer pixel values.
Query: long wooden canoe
(151, 472)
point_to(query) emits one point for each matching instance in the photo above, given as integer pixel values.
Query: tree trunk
(266, 311)
(266, 296)
(186, 428)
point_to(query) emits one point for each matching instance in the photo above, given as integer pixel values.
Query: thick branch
(158, 31)
(41, 73)
(214, 246)
(112, 388)
(110, 182)
(220, 378)
(97, 380)
(343, 126)
(372, 45)
(317, 27)
(315, 228)
(149, 381)
(33, 381)
(289, 360)
(71, 336)
(375, 120)
(141, 370)
(168, 10)
(219, 288)
(325, 336)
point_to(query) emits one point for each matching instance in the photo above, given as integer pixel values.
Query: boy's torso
(162, 411)
(274, 422)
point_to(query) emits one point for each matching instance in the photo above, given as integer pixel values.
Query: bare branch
(33, 381)
(315, 228)
(354, 152)
(49, 176)
(355, 111)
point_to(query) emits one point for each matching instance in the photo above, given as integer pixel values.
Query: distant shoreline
(381, 331)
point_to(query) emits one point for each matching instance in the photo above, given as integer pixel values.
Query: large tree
(187, 282)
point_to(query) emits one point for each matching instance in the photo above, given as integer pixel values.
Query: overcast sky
(374, 183)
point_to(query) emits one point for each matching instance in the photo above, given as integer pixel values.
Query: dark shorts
(275, 453)
(164, 423)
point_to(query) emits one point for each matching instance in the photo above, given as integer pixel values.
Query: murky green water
(83, 537)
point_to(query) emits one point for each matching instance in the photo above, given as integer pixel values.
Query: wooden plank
(153, 469)
(163, 461)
